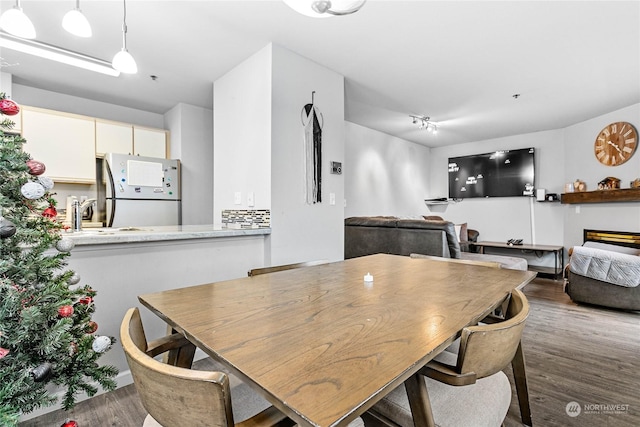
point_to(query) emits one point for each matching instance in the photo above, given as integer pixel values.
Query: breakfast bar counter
(123, 263)
(102, 236)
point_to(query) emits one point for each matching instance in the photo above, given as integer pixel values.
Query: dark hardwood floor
(574, 353)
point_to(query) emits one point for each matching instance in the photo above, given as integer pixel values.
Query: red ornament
(69, 423)
(36, 167)
(3, 352)
(8, 107)
(85, 300)
(50, 212)
(65, 311)
(91, 327)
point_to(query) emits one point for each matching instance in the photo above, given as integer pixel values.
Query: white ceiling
(459, 62)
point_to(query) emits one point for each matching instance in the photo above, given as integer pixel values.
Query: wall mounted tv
(507, 173)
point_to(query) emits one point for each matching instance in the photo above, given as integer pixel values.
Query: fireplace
(620, 238)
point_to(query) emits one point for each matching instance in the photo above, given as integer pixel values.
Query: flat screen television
(507, 173)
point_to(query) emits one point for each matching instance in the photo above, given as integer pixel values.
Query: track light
(76, 23)
(14, 21)
(123, 61)
(425, 123)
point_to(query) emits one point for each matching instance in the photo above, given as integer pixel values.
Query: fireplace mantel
(602, 196)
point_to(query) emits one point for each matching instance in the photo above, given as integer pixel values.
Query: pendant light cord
(124, 26)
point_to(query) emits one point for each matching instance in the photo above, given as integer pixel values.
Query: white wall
(258, 135)
(300, 231)
(503, 218)
(34, 97)
(581, 164)
(384, 175)
(242, 135)
(6, 86)
(192, 143)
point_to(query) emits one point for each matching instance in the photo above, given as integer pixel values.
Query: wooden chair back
(457, 261)
(265, 270)
(174, 396)
(487, 349)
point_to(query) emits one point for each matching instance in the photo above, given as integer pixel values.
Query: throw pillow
(462, 232)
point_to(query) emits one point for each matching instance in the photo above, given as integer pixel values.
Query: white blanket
(612, 267)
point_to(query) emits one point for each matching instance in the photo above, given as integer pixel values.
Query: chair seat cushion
(484, 403)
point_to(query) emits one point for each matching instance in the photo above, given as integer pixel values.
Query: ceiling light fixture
(325, 8)
(14, 21)
(123, 61)
(76, 23)
(425, 123)
(54, 53)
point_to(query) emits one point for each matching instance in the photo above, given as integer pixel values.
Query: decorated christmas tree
(47, 338)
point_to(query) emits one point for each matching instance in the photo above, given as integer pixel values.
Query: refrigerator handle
(111, 212)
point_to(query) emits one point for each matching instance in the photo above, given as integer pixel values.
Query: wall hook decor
(313, 122)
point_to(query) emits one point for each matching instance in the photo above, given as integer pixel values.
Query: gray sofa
(370, 235)
(604, 274)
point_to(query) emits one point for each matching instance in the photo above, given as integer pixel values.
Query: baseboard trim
(122, 379)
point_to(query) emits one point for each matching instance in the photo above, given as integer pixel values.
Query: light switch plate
(237, 198)
(250, 199)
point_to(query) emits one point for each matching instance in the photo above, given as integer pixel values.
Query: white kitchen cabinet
(113, 137)
(65, 143)
(149, 142)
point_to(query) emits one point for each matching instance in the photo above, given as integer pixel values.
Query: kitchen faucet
(77, 210)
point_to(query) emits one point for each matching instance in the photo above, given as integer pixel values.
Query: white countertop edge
(159, 233)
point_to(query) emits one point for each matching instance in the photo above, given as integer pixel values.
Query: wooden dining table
(321, 343)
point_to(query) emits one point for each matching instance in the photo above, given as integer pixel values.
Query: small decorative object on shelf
(609, 183)
(579, 185)
(635, 183)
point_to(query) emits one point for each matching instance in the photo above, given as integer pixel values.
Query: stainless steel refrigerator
(139, 191)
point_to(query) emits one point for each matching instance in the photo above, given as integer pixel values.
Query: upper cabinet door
(65, 143)
(149, 142)
(112, 137)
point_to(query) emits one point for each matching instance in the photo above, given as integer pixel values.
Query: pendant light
(325, 8)
(123, 61)
(76, 23)
(14, 21)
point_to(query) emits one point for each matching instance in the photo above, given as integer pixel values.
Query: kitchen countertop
(101, 236)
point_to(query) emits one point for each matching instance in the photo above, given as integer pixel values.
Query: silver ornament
(42, 373)
(7, 228)
(101, 343)
(46, 182)
(65, 244)
(32, 190)
(74, 280)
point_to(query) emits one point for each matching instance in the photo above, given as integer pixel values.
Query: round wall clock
(616, 143)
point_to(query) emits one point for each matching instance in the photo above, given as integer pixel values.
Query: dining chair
(468, 388)
(265, 270)
(175, 396)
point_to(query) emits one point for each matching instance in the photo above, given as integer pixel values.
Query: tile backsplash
(257, 218)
